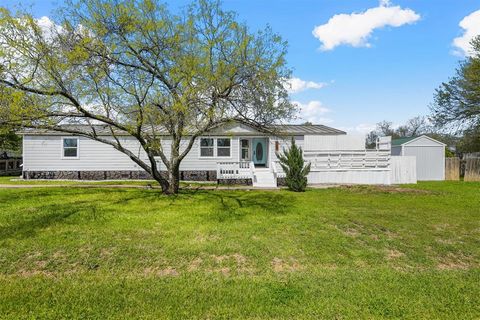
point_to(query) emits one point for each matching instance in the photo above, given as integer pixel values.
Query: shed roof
(400, 141)
(407, 140)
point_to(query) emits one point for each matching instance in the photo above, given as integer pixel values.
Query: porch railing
(235, 170)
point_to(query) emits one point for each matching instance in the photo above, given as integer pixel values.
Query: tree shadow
(234, 205)
(50, 215)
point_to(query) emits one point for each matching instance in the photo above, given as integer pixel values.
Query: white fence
(348, 159)
(346, 167)
(337, 167)
(235, 170)
(403, 170)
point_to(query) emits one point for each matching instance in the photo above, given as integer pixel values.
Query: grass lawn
(19, 181)
(343, 253)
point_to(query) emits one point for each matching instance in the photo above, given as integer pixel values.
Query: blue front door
(259, 147)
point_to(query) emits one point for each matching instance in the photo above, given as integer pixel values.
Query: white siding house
(429, 154)
(232, 153)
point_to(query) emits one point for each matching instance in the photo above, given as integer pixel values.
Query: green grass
(18, 181)
(343, 253)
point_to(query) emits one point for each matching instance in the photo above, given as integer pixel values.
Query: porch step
(264, 178)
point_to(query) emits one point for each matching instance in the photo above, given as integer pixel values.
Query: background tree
(413, 127)
(457, 102)
(134, 67)
(293, 165)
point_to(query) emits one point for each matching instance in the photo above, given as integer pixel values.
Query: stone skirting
(245, 182)
(200, 175)
(281, 182)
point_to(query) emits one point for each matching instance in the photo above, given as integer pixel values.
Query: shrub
(294, 167)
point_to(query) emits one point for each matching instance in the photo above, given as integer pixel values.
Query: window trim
(63, 149)
(215, 146)
(248, 148)
(223, 147)
(200, 148)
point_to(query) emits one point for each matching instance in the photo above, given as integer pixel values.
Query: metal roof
(281, 129)
(304, 129)
(400, 141)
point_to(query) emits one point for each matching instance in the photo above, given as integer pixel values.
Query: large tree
(457, 102)
(138, 68)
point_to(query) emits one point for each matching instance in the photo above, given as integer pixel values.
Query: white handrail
(234, 170)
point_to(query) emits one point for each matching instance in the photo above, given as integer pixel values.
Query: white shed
(430, 155)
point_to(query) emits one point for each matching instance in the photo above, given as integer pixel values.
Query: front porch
(245, 171)
(254, 164)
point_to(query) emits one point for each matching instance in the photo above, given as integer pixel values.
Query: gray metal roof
(304, 129)
(280, 129)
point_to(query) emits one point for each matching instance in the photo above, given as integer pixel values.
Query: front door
(259, 147)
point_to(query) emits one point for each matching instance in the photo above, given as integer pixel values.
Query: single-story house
(429, 154)
(235, 152)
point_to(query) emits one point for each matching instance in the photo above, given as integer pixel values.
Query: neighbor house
(234, 152)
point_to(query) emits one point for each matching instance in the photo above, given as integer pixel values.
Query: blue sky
(383, 63)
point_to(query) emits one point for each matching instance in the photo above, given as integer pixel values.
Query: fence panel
(472, 169)
(452, 169)
(403, 170)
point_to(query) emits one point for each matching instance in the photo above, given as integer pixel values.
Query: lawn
(340, 253)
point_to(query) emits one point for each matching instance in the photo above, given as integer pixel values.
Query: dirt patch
(383, 189)
(202, 238)
(456, 262)
(195, 264)
(441, 226)
(287, 265)
(165, 272)
(351, 232)
(393, 254)
(106, 252)
(226, 264)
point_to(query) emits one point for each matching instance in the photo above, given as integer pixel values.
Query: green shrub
(294, 167)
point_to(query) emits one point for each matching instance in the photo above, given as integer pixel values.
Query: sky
(357, 62)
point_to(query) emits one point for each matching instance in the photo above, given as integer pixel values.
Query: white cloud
(313, 111)
(295, 85)
(471, 26)
(356, 28)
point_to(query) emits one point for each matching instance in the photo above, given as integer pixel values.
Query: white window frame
(200, 148)
(229, 147)
(63, 149)
(215, 148)
(248, 148)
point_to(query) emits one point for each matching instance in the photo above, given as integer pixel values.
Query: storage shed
(430, 155)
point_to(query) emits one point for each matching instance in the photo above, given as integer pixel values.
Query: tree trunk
(173, 181)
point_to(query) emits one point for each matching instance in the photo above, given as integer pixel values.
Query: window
(70, 147)
(245, 150)
(206, 147)
(223, 147)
